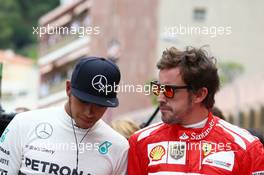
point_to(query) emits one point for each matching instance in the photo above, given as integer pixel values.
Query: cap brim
(103, 101)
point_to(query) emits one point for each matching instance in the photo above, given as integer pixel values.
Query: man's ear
(68, 88)
(200, 95)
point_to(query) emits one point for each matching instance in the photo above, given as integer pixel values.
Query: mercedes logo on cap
(99, 83)
(43, 130)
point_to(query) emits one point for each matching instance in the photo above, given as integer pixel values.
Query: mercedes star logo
(43, 130)
(99, 83)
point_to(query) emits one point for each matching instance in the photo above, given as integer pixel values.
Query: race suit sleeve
(121, 166)
(253, 160)
(256, 153)
(10, 149)
(133, 159)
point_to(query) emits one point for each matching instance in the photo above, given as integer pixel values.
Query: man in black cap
(73, 139)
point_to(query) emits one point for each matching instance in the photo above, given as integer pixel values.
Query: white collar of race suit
(200, 124)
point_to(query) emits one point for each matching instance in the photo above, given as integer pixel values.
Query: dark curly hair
(198, 70)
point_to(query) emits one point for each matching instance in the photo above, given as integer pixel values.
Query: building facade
(17, 90)
(123, 31)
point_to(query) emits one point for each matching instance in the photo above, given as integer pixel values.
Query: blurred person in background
(190, 140)
(125, 127)
(257, 133)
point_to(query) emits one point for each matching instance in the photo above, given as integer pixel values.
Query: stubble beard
(174, 117)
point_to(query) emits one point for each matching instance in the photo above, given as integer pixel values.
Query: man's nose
(88, 109)
(162, 98)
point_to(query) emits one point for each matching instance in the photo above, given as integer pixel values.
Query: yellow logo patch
(207, 148)
(157, 153)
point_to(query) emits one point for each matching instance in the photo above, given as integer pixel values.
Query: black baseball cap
(94, 80)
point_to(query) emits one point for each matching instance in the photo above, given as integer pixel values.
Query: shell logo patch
(157, 153)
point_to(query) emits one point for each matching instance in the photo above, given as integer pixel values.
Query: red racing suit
(217, 148)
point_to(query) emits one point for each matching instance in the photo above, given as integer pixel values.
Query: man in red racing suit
(217, 148)
(191, 140)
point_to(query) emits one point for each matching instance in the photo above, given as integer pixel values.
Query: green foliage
(17, 20)
(229, 71)
(29, 51)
